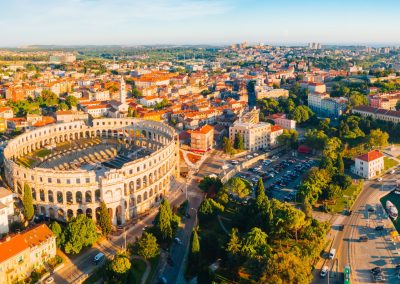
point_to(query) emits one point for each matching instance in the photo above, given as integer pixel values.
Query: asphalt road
(75, 270)
(363, 256)
(174, 271)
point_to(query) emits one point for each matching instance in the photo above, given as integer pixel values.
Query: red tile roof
(18, 243)
(370, 156)
(275, 128)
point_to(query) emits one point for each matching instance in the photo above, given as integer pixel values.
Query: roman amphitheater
(71, 167)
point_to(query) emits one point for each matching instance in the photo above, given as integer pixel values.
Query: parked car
(324, 271)
(379, 228)
(363, 238)
(49, 280)
(178, 241)
(376, 270)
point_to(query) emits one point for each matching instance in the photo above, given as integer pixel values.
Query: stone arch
(138, 183)
(131, 187)
(88, 196)
(98, 210)
(139, 199)
(145, 196)
(60, 197)
(34, 195)
(79, 211)
(89, 213)
(69, 197)
(60, 214)
(42, 195)
(78, 197)
(42, 210)
(118, 214)
(50, 196)
(19, 188)
(70, 214)
(151, 192)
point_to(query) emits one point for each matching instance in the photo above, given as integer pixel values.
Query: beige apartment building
(202, 138)
(255, 135)
(22, 253)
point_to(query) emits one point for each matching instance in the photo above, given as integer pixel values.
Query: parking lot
(281, 174)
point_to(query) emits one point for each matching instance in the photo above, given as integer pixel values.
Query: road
(75, 269)
(362, 256)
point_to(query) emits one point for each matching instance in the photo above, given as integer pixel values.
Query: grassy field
(389, 163)
(349, 196)
(27, 162)
(395, 199)
(42, 153)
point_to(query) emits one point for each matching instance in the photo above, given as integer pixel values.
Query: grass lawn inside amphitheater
(84, 153)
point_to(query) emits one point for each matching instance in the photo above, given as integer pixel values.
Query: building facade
(6, 209)
(22, 253)
(369, 165)
(255, 136)
(377, 113)
(202, 138)
(128, 191)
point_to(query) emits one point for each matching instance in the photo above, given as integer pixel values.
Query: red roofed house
(22, 253)
(276, 131)
(202, 138)
(369, 165)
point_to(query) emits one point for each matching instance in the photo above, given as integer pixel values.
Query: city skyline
(220, 22)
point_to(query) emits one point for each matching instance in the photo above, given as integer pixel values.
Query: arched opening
(42, 211)
(70, 214)
(89, 213)
(19, 188)
(60, 198)
(139, 199)
(78, 197)
(42, 196)
(33, 193)
(118, 213)
(69, 197)
(51, 197)
(145, 196)
(131, 187)
(88, 196)
(98, 209)
(60, 214)
(79, 211)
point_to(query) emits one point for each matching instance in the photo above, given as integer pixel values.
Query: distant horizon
(199, 22)
(72, 45)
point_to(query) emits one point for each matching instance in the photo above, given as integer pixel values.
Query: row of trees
(270, 241)
(238, 144)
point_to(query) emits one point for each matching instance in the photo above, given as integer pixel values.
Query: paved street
(74, 271)
(363, 256)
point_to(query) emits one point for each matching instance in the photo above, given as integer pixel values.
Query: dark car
(376, 270)
(363, 238)
(371, 209)
(379, 228)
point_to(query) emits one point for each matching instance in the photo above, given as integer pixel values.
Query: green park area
(389, 163)
(349, 196)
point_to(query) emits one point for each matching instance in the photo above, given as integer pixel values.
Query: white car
(392, 172)
(255, 154)
(49, 280)
(249, 156)
(324, 271)
(380, 179)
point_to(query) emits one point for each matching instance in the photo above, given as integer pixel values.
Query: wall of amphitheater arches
(128, 191)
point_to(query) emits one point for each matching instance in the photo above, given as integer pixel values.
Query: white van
(332, 253)
(98, 257)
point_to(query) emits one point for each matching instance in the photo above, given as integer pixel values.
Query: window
(68, 181)
(87, 180)
(78, 180)
(49, 180)
(58, 180)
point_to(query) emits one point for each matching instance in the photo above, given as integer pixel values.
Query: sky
(215, 22)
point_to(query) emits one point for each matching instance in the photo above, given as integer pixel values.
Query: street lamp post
(195, 221)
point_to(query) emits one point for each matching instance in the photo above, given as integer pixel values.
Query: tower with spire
(122, 91)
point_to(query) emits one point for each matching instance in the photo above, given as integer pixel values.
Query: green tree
(255, 243)
(239, 186)
(147, 246)
(210, 185)
(316, 139)
(340, 164)
(57, 231)
(62, 106)
(104, 219)
(377, 138)
(313, 184)
(289, 137)
(301, 114)
(357, 99)
(49, 98)
(27, 201)
(332, 148)
(227, 145)
(80, 233)
(194, 256)
(71, 101)
(234, 245)
(239, 142)
(163, 220)
(260, 193)
(120, 264)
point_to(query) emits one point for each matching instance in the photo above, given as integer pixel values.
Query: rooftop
(370, 156)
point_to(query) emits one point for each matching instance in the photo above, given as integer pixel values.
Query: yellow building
(3, 125)
(22, 253)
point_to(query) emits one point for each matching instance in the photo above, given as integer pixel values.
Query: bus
(347, 274)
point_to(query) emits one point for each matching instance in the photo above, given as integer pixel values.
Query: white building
(6, 209)
(255, 135)
(369, 165)
(150, 101)
(101, 95)
(281, 120)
